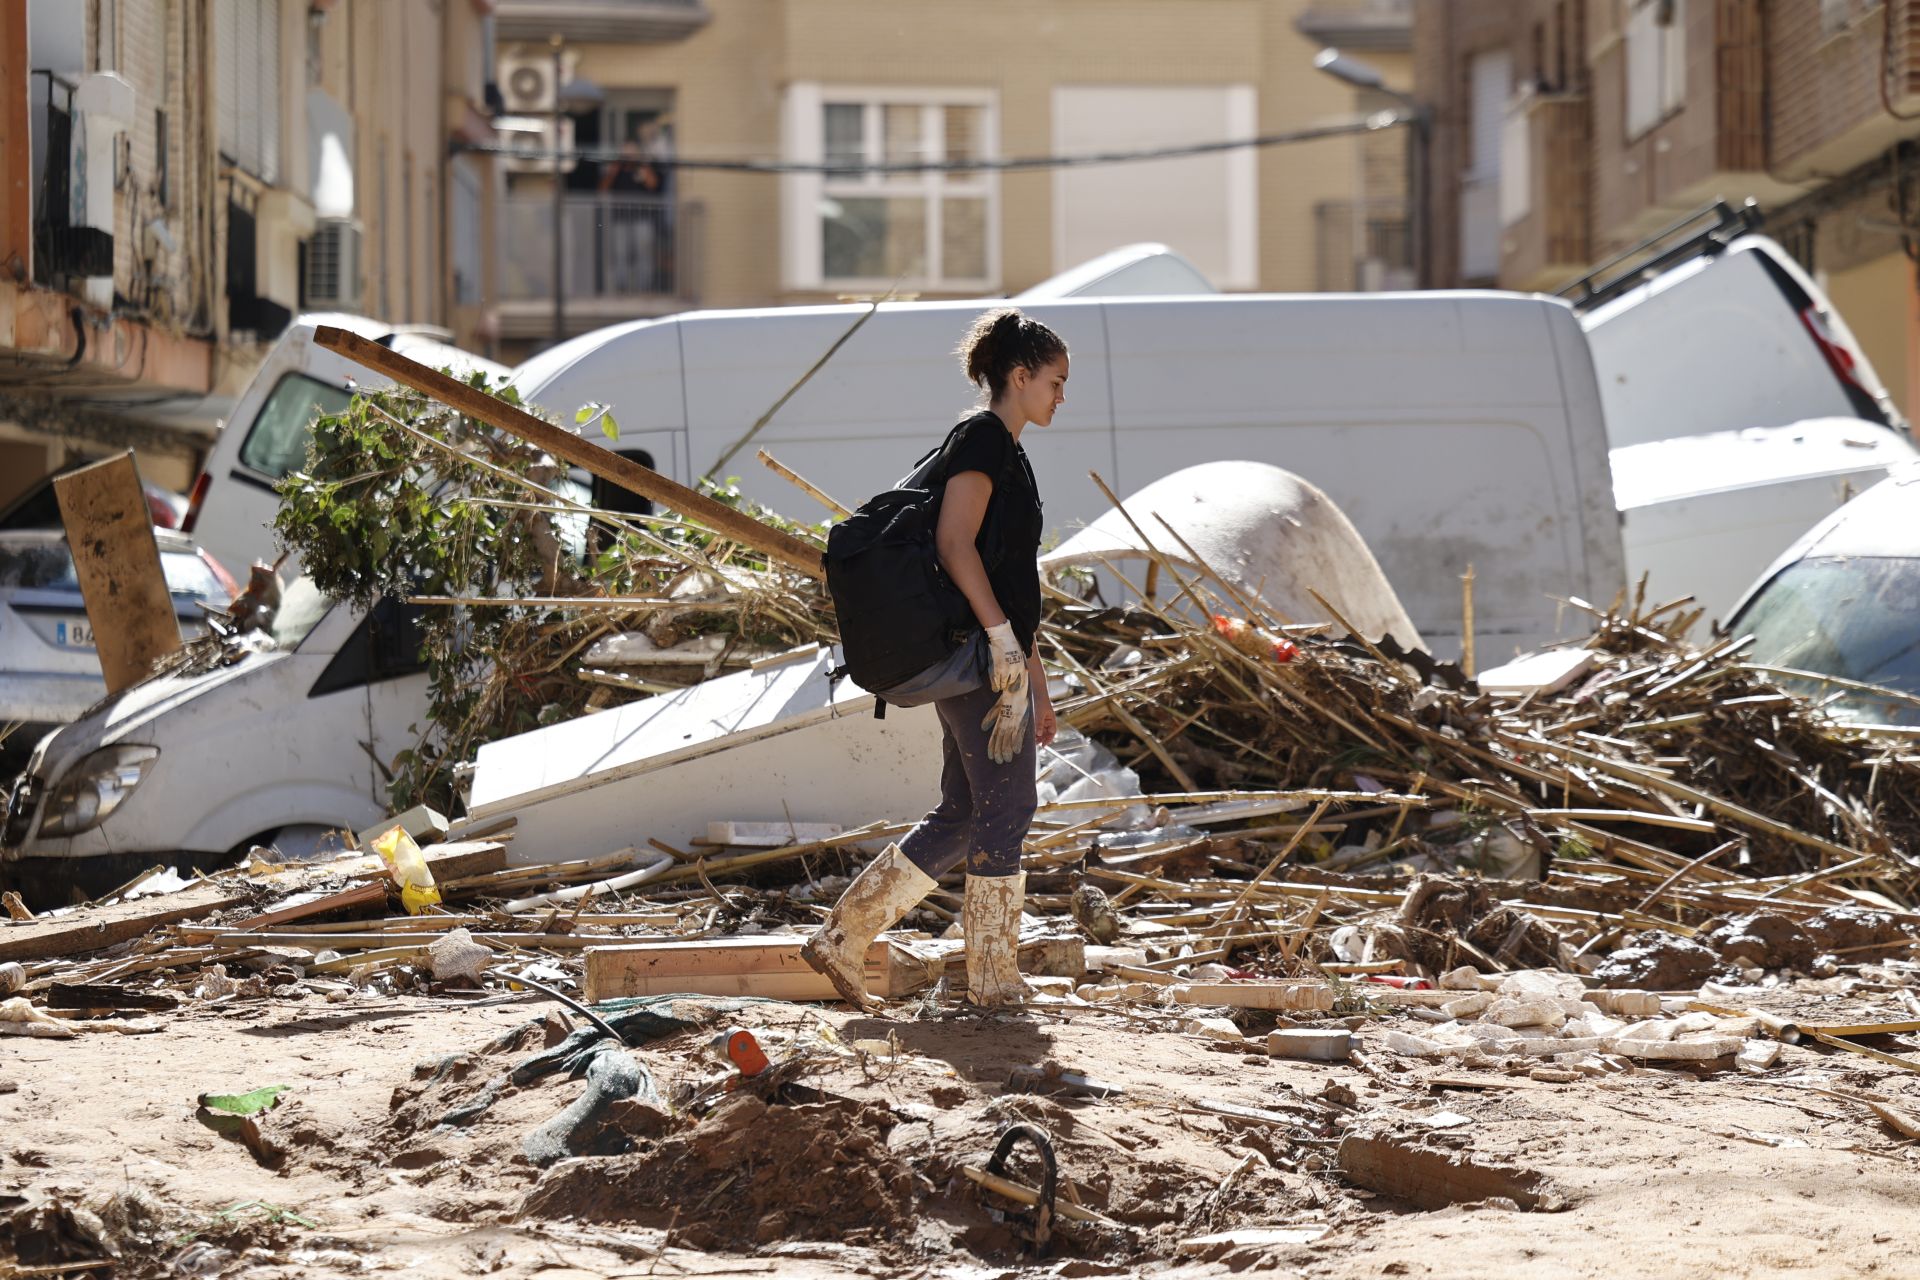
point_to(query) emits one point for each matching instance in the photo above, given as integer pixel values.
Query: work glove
(1009, 665)
(1010, 722)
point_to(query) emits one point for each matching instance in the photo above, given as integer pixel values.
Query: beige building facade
(838, 84)
(182, 177)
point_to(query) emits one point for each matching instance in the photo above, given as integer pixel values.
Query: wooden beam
(763, 966)
(561, 443)
(16, 169)
(117, 561)
(91, 928)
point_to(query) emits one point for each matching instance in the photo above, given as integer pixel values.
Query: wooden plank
(117, 562)
(91, 928)
(372, 893)
(562, 443)
(458, 859)
(770, 966)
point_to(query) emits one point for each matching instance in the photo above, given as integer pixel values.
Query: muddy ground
(854, 1166)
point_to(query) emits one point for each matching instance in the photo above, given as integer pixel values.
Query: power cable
(1336, 129)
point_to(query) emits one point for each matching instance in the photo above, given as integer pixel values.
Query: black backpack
(898, 611)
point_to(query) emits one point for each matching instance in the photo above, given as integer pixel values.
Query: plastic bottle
(408, 867)
(1255, 642)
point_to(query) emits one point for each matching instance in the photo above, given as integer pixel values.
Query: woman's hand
(1045, 726)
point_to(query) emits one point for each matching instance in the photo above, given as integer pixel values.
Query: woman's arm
(961, 511)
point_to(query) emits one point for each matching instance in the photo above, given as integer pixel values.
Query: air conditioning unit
(527, 86)
(333, 265)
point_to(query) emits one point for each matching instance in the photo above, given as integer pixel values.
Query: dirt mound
(1764, 941)
(1658, 961)
(748, 1174)
(1846, 929)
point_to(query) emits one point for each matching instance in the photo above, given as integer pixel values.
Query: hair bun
(1002, 340)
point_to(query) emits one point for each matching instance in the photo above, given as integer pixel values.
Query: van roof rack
(1633, 267)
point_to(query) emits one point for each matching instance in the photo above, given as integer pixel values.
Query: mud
(1763, 941)
(1658, 961)
(748, 1174)
(1844, 929)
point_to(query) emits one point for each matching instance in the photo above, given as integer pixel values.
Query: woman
(988, 541)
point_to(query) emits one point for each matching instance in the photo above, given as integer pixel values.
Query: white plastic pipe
(660, 863)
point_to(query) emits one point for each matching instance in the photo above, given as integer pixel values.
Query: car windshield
(1858, 619)
(277, 444)
(40, 565)
(301, 608)
(46, 566)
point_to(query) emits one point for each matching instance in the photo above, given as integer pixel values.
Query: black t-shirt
(1009, 538)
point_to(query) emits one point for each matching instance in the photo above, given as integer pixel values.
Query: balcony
(623, 258)
(601, 21)
(63, 253)
(1544, 237)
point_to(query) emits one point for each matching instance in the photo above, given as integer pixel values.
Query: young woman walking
(988, 540)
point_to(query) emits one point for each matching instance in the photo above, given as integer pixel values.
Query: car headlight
(95, 788)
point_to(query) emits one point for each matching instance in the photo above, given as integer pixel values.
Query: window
(860, 228)
(1656, 63)
(247, 68)
(277, 444)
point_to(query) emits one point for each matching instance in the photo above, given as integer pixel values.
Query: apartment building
(1565, 131)
(181, 177)
(652, 85)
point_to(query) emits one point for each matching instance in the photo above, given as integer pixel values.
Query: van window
(1858, 619)
(277, 443)
(385, 646)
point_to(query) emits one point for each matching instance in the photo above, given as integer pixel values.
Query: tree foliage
(402, 497)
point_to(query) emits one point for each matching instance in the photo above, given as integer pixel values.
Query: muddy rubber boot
(885, 890)
(991, 924)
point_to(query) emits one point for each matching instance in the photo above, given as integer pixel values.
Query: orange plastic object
(745, 1053)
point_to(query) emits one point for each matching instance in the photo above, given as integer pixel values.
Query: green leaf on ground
(244, 1104)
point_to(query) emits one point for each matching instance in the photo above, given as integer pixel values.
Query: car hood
(126, 716)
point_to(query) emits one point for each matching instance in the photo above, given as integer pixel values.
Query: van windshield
(277, 443)
(1858, 619)
(301, 608)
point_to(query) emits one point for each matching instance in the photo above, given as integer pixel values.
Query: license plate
(73, 635)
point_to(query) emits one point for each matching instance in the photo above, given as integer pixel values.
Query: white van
(1708, 327)
(194, 767)
(1452, 428)
(231, 509)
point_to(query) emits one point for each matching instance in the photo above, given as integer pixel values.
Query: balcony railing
(615, 246)
(590, 21)
(62, 252)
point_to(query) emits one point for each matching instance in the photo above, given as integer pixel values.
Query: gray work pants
(985, 808)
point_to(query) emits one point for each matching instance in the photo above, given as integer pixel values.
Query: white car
(1842, 606)
(49, 669)
(194, 767)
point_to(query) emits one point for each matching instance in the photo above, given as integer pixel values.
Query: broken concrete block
(1465, 978)
(1223, 1029)
(1758, 1055)
(1414, 1046)
(1701, 1050)
(1509, 1012)
(1311, 1043)
(1468, 1005)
